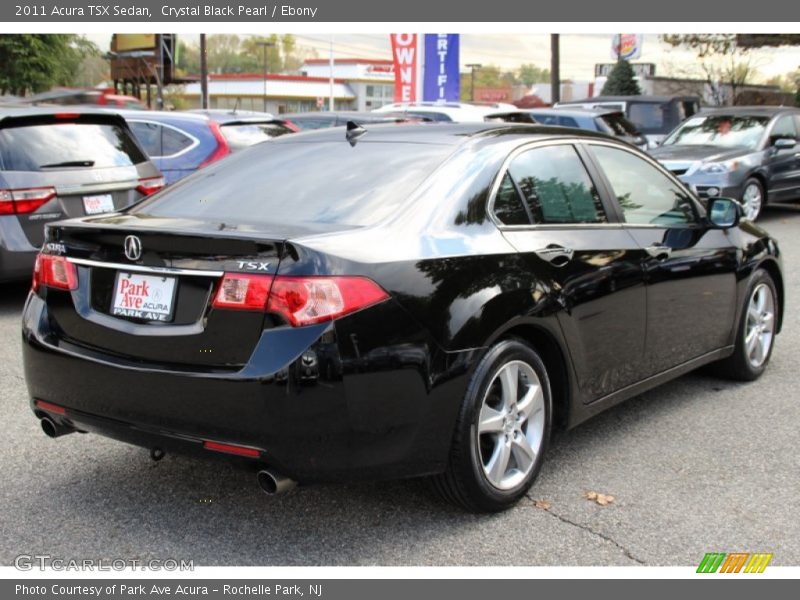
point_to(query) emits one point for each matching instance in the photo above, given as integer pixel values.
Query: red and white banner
(405, 52)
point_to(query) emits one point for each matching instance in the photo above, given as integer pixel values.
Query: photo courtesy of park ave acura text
(282, 289)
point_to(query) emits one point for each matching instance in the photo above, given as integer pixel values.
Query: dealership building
(358, 84)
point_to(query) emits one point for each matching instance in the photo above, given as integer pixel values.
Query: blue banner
(441, 80)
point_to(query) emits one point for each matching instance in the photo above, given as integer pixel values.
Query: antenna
(354, 132)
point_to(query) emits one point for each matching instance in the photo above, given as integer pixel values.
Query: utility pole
(203, 73)
(555, 65)
(472, 67)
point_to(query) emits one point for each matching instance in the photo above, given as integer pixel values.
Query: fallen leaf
(543, 504)
(598, 498)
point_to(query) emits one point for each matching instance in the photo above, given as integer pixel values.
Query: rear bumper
(314, 411)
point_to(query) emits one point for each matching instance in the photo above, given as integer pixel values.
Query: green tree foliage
(229, 53)
(492, 76)
(530, 74)
(31, 63)
(621, 81)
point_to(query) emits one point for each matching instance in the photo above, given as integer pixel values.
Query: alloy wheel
(760, 328)
(511, 425)
(752, 198)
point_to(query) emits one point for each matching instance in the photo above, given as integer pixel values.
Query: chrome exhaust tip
(52, 429)
(274, 483)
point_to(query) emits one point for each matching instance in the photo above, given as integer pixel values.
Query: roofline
(349, 61)
(270, 77)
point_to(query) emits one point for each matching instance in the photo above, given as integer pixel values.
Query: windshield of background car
(720, 130)
(303, 182)
(30, 147)
(242, 135)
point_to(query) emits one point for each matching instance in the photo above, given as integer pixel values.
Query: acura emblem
(133, 247)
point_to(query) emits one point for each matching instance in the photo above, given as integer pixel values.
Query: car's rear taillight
(243, 292)
(299, 300)
(306, 300)
(150, 185)
(24, 201)
(54, 271)
(222, 150)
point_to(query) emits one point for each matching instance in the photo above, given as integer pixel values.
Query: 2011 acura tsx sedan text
(394, 302)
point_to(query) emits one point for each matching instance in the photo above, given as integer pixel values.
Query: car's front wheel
(753, 199)
(502, 430)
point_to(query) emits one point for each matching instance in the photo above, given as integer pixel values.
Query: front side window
(783, 128)
(644, 193)
(552, 186)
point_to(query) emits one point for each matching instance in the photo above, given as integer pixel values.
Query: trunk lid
(178, 272)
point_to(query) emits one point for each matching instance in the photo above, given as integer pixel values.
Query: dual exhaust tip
(270, 481)
(273, 483)
(53, 429)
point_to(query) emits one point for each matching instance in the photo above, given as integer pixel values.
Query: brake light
(243, 292)
(62, 116)
(150, 185)
(54, 271)
(307, 300)
(24, 201)
(222, 150)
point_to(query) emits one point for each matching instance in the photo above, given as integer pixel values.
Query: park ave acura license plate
(144, 296)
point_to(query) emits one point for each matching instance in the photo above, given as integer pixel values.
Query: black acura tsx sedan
(394, 301)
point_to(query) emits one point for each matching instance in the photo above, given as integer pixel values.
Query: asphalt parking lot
(696, 466)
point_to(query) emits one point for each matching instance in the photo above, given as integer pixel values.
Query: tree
(725, 65)
(530, 74)
(31, 63)
(621, 81)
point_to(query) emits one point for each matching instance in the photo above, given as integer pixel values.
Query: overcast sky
(579, 52)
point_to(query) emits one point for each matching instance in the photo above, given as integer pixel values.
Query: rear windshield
(302, 182)
(67, 145)
(242, 135)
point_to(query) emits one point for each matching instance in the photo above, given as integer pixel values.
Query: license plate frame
(164, 287)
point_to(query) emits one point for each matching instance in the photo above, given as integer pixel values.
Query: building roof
(349, 61)
(277, 87)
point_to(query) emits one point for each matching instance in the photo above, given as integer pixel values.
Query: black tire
(738, 366)
(464, 483)
(753, 182)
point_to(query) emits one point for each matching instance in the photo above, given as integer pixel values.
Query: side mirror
(724, 213)
(784, 143)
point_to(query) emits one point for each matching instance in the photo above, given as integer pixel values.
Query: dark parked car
(243, 128)
(323, 120)
(56, 164)
(611, 122)
(746, 152)
(395, 302)
(654, 116)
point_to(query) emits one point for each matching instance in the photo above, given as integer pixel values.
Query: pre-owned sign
(406, 57)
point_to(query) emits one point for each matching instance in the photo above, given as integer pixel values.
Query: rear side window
(303, 183)
(67, 145)
(242, 135)
(160, 141)
(648, 116)
(552, 186)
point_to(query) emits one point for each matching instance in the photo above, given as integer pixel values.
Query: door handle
(659, 252)
(558, 256)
